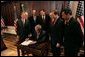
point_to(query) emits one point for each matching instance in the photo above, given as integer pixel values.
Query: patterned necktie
(34, 19)
(43, 18)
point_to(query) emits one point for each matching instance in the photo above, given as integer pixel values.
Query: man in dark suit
(44, 20)
(23, 27)
(33, 20)
(40, 37)
(56, 33)
(72, 34)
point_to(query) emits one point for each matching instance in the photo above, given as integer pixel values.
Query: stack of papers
(26, 43)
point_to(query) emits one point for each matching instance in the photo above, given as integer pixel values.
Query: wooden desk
(19, 49)
(36, 50)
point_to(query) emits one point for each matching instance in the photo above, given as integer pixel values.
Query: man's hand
(26, 39)
(29, 35)
(57, 45)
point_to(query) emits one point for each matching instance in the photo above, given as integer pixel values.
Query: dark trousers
(56, 51)
(71, 51)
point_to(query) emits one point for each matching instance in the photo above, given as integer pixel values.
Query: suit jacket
(45, 23)
(72, 34)
(33, 23)
(23, 29)
(56, 32)
(42, 37)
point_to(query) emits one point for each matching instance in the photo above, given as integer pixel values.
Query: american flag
(79, 14)
(15, 21)
(2, 22)
(68, 4)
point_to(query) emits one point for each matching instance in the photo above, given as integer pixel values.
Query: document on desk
(26, 43)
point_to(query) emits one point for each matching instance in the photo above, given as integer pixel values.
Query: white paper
(28, 42)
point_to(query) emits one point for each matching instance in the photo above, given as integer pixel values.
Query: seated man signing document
(38, 38)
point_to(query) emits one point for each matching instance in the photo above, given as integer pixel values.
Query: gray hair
(38, 26)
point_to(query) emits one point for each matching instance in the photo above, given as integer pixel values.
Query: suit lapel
(21, 23)
(40, 36)
(34, 20)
